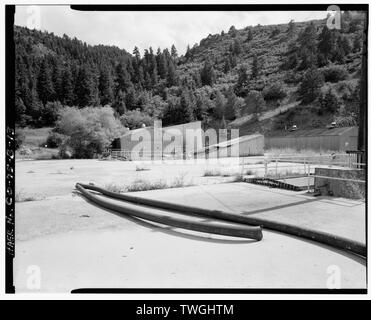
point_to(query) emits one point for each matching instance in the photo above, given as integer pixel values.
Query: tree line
(52, 72)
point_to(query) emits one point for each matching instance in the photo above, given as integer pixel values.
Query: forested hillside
(225, 77)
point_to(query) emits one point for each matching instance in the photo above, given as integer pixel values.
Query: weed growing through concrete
(250, 172)
(22, 197)
(139, 168)
(212, 173)
(114, 188)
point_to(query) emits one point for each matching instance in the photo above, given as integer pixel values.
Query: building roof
(231, 142)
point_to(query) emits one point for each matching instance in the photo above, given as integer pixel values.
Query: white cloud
(156, 29)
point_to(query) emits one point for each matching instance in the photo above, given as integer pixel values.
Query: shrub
(89, 130)
(310, 86)
(329, 101)
(255, 103)
(50, 112)
(334, 74)
(135, 119)
(292, 77)
(55, 140)
(274, 92)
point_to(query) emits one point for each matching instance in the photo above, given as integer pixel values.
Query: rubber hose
(314, 235)
(235, 230)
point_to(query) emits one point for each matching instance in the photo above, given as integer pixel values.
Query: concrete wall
(340, 188)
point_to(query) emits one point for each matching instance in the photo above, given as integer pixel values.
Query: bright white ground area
(74, 244)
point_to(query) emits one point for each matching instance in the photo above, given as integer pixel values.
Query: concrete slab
(77, 244)
(339, 216)
(112, 251)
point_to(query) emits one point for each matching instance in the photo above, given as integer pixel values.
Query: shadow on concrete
(171, 230)
(304, 194)
(349, 255)
(168, 229)
(282, 206)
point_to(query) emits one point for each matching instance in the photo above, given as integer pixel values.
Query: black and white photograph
(186, 148)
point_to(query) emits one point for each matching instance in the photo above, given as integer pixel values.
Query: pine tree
(57, 80)
(45, 88)
(174, 53)
(187, 105)
(105, 87)
(220, 104)
(119, 104)
(308, 47)
(161, 64)
(250, 35)
(237, 47)
(36, 107)
(329, 102)
(326, 43)
(20, 112)
(84, 88)
(230, 105)
(207, 74)
(309, 88)
(136, 53)
(291, 28)
(226, 66)
(242, 84)
(131, 99)
(188, 52)
(154, 77)
(232, 31)
(67, 87)
(122, 78)
(171, 76)
(255, 67)
(255, 103)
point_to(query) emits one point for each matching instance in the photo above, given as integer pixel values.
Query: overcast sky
(145, 29)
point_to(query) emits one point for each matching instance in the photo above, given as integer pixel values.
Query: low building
(334, 139)
(156, 142)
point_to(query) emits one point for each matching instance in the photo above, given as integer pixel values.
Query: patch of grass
(286, 173)
(238, 177)
(143, 185)
(22, 197)
(212, 173)
(35, 137)
(139, 168)
(179, 181)
(250, 172)
(114, 188)
(37, 153)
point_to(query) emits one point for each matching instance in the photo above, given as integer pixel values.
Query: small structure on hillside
(334, 139)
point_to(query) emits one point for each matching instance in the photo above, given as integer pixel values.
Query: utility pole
(362, 137)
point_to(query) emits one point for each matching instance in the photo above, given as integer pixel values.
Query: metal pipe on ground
(230, 229)
(314, 235)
